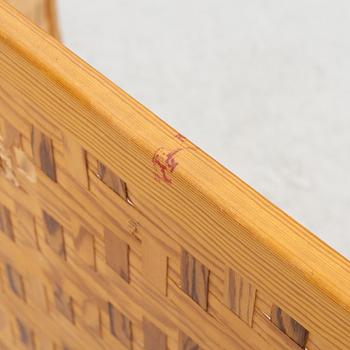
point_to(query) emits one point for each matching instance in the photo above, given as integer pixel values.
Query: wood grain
(11, 138)
(112, 180)
(54, 234)
(194, 279)
(41, 12)
(154, 338)
(25, 166)
(15, 282)
(6, 333)
(26, 230)
(75, 159)
(45, 343)
(9, 142)
(155, 264)
(85, 247)
(43, 153)
(275, 337)
(91, 318)
(36, 293)
(117, 255)
(26, 336)
(240, 296)
(6, 222)
(186, 343)
(64, 303)
(289, 326)
(120, 326)
(182, 200)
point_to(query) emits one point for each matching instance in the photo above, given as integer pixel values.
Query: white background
(262, 86)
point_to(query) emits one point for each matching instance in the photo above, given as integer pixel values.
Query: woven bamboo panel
(116, 232)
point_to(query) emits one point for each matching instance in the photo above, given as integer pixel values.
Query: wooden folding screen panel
(116, 232)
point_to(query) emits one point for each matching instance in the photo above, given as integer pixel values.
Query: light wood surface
(41, 12)
(212, 234)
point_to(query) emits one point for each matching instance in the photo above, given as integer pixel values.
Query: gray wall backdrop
(262, 86)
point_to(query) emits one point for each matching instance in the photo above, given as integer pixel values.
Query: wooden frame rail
(41, 12)
(118, 232)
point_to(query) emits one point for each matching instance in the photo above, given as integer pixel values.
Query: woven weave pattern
(95, 267)
(96, 248)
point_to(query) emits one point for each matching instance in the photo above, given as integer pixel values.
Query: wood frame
(198, 259)
(41, 12)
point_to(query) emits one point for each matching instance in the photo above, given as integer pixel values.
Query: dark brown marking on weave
(194, 279)
(120, 326)
(54, 234)
(43, 153)
(26, 336)
(240, 296)
(6, 222)
(114, 182)
(186, 343)
(64, 303)
(15, 282)
(154, 338)
(289, 326)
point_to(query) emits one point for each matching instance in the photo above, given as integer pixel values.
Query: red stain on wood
(164, 163)
(180, 137)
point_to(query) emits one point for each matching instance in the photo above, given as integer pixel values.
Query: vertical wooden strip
(25, 335)
(64, 303)
(20, 162)
(120, 326)
(52, 19)
(2, 278)
(36, 293)
(114, 182)
(7, 164)
(117, 255)
(239, 296)
(154, 264)
(43, 153)
(44, 342)
(154, 338)
(84, 244)
(12, 137)
(25, 166)
(5, 327)
(54, 235)
(289, 326)
(26, 230)
(194, 279)
(186, 343)
(10, 143)
(75, 161)
(3, 321)
(15, 282)
(6, 222)
(63, 346)
(91, 316)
